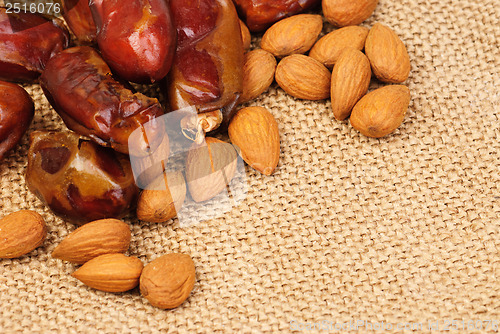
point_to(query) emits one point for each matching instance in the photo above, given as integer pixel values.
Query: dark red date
(16, 114)
(27, 41)
(78, 179)
(78, 16)
(208, 64)
(136, 37)
(260, 14)
(79, 85)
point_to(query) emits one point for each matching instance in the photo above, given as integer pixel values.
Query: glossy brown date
(208, 64)
(27, 41)
(16, 114)
(136, 37)
(261, 14)
(78, 179)
(78, 16)
(79, 85)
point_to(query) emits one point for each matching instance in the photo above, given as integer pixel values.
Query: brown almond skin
(167, 281)
(259, 68)
(254, 131)
(105, 236)
(329, 47)
(343, 13)
(388, 55)
(210, 167)
(20, 233)
(163, 198)
(110, 273)
(381, 111)
(293, 35)
(350, 81)
(303, 77)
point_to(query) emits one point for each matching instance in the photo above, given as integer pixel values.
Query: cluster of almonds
(99, 246)
(308, 76)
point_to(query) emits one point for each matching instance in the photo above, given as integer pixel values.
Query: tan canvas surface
(399, 229)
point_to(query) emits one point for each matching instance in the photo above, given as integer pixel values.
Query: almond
(148, 166)
(350, 81)
(255, 132)
(163, 198)
(20, 233)
(295, 34)
(381, 111)
(343, 13)
(258, 73)
(93, 239)
(167, 281)
(329, 47)
(387, 53)
(210, 168)
(303, 77)
(246, 37)
(110, 272)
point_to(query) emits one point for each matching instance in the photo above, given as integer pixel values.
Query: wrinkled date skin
(16, 113)
(208, 64)
(78, 16)
(261, 14)
(79, 85)
(27, 41)
(136, 37)
(78, 179)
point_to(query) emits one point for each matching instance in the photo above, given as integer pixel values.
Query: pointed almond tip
(56, 254)
(268, 171)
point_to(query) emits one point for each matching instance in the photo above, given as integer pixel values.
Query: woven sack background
(399, 229)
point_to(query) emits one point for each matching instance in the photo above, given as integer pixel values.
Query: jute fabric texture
(395, 230)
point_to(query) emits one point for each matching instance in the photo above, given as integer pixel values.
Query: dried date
(260, 14)
(27, 42)
(136, 38)
(16, 114)
(78, 179)
(80, 87)
(78, 16)
(208, 65)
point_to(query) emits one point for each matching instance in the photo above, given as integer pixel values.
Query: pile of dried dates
(192, 49)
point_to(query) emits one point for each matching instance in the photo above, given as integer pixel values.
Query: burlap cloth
(395, 230)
